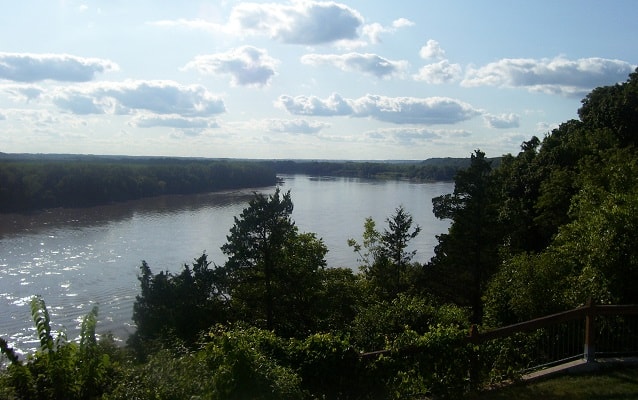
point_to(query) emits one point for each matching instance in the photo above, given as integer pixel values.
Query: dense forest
(36, 181)
(543, 231)
(31, 182)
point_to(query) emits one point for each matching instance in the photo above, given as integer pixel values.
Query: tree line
(36, 183)
(430, 170)
(31, 182)
(543, 231)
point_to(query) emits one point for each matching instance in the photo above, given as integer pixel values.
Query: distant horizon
(290, 79)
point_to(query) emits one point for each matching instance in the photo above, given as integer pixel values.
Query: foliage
(166, 375)
(467, 256)
(30, 184)
(381, 323)
(432, 365)
(386, 262)
(180, 306)
(273, 272)
(433, 169)
(244, 366)
(528, 286)
(329, 367)
(59, 369)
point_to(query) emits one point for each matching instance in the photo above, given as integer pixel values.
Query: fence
(586, 332)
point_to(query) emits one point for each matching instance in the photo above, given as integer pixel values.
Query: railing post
(590, 332)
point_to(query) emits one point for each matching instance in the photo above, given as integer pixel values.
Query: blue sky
(354, 79)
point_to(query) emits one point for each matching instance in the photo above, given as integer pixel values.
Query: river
(76, 258)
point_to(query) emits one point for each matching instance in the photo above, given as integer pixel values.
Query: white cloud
(402, 23)
(367, 63)
(22, 92)
(304, 105)
(297, 126)
(432, 50)
(247, 65)
(300, 22)
(26, 67)
(303, 22)
(438, 73)
(502, 121)
(554, 76)
(374, 31)
(159, 97)
(173, 121)
(398, 110)
(413, 110)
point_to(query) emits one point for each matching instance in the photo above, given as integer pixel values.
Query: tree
(386, 259)
(395, 239)
(467, 256)
(181, 305)
(271, 272)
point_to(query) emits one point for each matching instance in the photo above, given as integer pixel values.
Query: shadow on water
(34, 222)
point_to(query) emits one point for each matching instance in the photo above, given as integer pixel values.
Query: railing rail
(572, 334)
(590, 312)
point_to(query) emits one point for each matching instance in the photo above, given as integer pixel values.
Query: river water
(77, 258)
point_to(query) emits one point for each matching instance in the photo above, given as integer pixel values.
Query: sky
(357, 80)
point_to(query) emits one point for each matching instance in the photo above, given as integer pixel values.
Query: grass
(613, 384)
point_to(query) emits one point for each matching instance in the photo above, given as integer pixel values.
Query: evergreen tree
(467, 256)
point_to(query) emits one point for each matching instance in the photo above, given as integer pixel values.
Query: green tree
(615, 108)
(467, 256)
(272, 271)
(179, 305)
(386, 260)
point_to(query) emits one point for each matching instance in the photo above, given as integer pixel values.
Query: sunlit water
(79, 258)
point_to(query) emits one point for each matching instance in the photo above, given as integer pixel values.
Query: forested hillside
(544, 231)
(32, 182)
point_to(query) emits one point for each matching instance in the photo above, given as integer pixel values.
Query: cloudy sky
(351, 79)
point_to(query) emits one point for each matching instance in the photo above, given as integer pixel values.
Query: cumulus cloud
(398, 110)
(554, 76)
(412, 110)
(371, 64)
(438, 73)
(374, 31)
(297, 126)
(311, 105)
(26, 67)
(502, 121)
(159, 97)
(432, 50)
(303, 22)
(247, 65)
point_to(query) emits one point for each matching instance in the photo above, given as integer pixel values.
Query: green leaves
(42, 321)
(58, 369)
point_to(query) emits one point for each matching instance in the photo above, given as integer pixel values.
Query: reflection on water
(76, 258)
